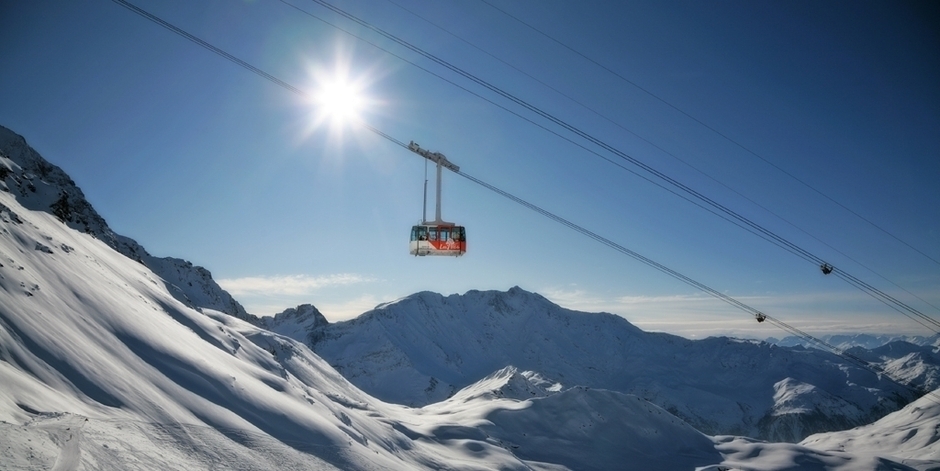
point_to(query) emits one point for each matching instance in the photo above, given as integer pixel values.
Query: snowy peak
(868, 341)
(915, 365)
(435, 345)
(103, 368)
(426, 347)
(515, 303)
(41, 186)
(509, 383)
(295, 322)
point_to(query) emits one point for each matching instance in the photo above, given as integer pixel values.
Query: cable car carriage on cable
(436, 237)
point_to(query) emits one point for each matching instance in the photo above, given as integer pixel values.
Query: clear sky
(793, 114)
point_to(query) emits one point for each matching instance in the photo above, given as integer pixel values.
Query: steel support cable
(729, 215)
(551, 131)
(780, 241)
(710, 128)
(183, 33)
(648, 141)
(635, 255)
(728, 299)
(609, 243)
(758, 230)
(395, 141)
(300, 92)
(593, 235)
(662, 176)
(860, 362)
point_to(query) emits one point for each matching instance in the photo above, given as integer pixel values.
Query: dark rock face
(41, 186)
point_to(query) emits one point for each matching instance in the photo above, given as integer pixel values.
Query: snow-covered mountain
(423, 348)
(910, 436)
(42, 186)
(868, 341)
(103, 366)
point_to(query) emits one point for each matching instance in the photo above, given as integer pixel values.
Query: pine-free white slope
(88, 331)
(102, 367)
(39, 185)
(910, 435)
(424, 347)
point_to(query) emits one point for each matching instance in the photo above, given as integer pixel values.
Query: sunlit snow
(103, 367)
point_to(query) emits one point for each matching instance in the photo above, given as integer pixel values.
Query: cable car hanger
(437, 237)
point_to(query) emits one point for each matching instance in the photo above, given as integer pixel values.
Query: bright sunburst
(339, 98)
(340, 101)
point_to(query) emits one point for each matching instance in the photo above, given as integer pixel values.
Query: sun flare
(340, 101)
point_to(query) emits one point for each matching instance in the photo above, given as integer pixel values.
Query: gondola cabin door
(427, 239)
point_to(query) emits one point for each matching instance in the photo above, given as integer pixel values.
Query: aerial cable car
(437, 237)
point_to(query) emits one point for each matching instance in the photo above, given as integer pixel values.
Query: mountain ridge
(39, 185)
(104, 367)
(406, 351)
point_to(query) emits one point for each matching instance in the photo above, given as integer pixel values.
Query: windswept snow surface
(102, 367)
(910, 436)
(89, 332)
(423, 348)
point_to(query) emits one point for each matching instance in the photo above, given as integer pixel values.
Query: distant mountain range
(424, 348)
(112, 359)
(869, 341)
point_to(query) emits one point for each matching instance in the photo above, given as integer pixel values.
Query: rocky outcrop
(41, 186)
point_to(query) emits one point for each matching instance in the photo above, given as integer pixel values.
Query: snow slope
(910, 436)
(42, 186)
(103, 367)
(87, 332)
(423, 348)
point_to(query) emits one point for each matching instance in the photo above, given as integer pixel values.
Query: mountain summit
(103, 366)
(425, 347)
(41, 186)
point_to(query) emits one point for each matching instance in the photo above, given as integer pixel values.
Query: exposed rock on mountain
(41, 186)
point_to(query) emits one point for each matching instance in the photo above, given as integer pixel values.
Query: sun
(339, 101)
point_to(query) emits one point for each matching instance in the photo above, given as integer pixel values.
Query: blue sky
(198, 158)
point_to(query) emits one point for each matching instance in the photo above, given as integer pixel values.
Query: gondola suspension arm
(442, 162)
